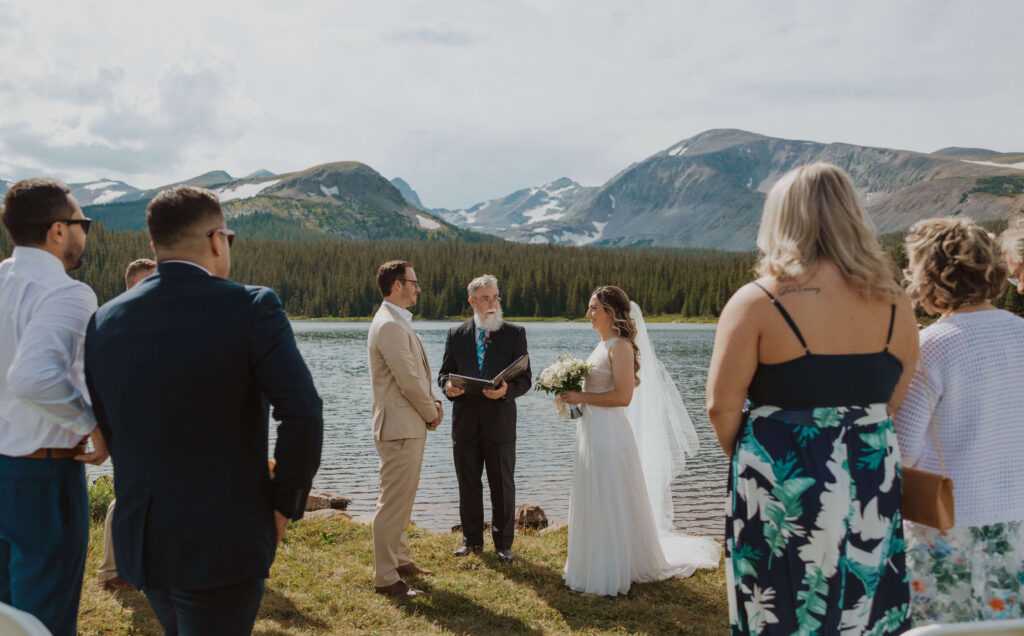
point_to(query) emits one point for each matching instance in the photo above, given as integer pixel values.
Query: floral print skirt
(966, 573)
(814, 535)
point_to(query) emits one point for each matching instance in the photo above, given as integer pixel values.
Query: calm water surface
(545, 448)
(336, 355)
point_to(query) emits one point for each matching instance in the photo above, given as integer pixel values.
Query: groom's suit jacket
(181, 369)
(403, 403)
(473, 414)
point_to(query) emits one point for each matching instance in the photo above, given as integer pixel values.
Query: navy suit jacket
(181, 369)
(473, 414)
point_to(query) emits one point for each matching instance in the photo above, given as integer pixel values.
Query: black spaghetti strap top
(824, 380)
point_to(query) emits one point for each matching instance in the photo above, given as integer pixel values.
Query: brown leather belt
(56, 453)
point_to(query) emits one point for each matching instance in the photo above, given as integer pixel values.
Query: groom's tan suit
(403, 406)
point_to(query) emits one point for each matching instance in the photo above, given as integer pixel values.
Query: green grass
(322, 583)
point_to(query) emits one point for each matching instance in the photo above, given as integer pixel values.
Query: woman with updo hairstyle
(808, 362)
(968, 381)
(620, 526)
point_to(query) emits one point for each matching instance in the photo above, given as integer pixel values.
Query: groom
(484, 425)
(404, 409)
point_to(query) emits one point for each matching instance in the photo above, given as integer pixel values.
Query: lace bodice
(599, 378)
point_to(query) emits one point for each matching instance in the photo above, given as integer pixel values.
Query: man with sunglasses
(182, 369)
(45, 414)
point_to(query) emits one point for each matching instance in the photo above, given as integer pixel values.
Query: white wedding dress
(615, 537)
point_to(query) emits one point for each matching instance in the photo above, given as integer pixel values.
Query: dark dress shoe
(468, 549)
(116, 584)
(505, 556)
(399, 589)
(412, 568)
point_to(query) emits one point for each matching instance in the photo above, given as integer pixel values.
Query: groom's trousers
(400, 463)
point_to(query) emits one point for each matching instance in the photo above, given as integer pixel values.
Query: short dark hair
(137, 267)
(176, 211)
(32, 206)
(388, 273)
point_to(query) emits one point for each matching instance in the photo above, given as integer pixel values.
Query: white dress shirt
(404, 313)
(43, 399)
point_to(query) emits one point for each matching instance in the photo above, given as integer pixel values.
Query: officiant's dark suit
(182, 369)
(484, 430)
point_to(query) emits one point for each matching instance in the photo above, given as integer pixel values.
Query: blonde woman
(969, 376)
(808, 361)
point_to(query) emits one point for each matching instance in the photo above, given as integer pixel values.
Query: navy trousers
(44, 534)
(225, 611)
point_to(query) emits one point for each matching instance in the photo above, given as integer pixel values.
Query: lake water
(545, 447)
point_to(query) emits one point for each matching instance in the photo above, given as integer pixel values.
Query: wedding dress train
(620, 508)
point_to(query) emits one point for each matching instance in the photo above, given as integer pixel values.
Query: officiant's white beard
(489, 321)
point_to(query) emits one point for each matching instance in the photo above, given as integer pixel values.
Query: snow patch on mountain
(1016, 166)
(333, 190)
(243, 190)
(459, 217)
(426, 222)
(678, 150)
(549, 211)
(108, 196)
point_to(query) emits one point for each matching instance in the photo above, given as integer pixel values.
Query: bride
(630, 444)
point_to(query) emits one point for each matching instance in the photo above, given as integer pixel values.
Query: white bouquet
(566, 374)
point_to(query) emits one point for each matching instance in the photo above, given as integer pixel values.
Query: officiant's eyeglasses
(412, 282)
(487, 300)
(225, 231)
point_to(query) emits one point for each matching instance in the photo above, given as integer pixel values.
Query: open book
(476, 385)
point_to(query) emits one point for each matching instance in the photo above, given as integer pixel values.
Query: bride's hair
(616, 303)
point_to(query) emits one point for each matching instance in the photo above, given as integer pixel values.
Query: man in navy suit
(182, 369)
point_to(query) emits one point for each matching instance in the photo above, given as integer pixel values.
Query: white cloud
(470, 101)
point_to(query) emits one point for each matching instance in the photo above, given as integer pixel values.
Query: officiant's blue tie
(481, 347)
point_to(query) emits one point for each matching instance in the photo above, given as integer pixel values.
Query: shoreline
(660, 318)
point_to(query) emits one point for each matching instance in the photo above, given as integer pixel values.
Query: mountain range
(347, 200)
(705, 191)
(708, 191)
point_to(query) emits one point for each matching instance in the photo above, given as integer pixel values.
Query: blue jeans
(44, 533)
(225, 611)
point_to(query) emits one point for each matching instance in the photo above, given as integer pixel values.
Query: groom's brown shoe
(505, 556)
(466, 550)
(398, 589)
(412, 568)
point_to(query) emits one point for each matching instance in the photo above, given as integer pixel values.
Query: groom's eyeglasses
(411, 282)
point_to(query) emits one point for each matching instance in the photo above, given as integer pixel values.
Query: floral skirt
(814, 535)
(966, 573)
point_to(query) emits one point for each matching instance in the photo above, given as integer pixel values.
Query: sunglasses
(225, 231)
(85, 223)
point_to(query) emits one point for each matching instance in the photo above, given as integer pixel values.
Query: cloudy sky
(472, 100)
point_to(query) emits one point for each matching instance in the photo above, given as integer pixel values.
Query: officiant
(484, 419)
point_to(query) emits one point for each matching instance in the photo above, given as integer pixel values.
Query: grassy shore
(321, 583)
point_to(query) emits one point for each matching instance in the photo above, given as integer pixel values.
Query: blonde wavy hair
(616, 303)
(953, 262)
(1012, 241)
(812, 214)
